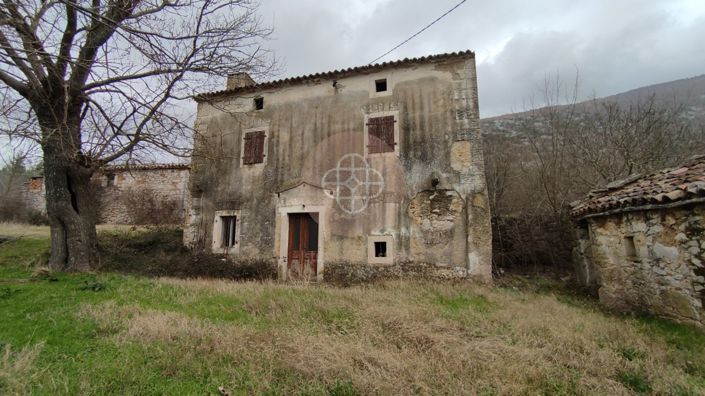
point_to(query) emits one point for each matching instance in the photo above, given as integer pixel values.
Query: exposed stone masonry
(664, 272)
(137, 195)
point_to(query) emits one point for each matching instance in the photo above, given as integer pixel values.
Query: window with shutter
(380, 132)
(253, 152)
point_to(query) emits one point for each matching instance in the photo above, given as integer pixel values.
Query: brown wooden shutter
(380, 135)
(253, 153)
(247, 151)
(259, 147)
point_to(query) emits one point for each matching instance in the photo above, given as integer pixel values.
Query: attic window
(259, 103)
(381, 85)
(110, 179)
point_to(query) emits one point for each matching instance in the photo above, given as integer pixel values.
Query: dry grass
(406, 338)
(31, 231)
(23, 230)
(15, 367)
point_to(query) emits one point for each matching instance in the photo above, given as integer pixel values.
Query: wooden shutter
(253, 153)
(259, 147)
(247, 151)
(380, 135)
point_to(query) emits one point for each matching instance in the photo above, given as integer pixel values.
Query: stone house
(369, 171)
(136, 194)
(641, 242)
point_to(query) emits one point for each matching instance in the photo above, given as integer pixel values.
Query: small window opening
(110, 179)
(229, 224)
(259, 103)
(629, 247)
(381, 85)
(380, 249)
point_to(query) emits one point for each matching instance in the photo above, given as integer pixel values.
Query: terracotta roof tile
(668, 186)
(335, 74)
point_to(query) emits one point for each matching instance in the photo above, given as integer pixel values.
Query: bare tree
(91, 81)
(560, 150)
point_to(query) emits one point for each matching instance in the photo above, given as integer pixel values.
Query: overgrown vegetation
(113, 334)
(539, 161)
(158, 251)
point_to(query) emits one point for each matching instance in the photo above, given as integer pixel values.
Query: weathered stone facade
(421, 201)
(646, 252)
(139, 194)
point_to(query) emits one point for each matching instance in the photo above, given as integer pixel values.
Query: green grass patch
(19, 256)
(630, 353)
(687, 343)
(634, 381)
(461, 303)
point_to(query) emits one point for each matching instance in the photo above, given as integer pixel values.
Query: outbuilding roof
(666, 188)
(134, 167)
(335, 74)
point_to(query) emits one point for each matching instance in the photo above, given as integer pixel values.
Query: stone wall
(141, 195)
(647, 261)
(35, 195)
(144, 196)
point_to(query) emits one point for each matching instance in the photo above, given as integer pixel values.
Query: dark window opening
(629, 247)
(229, 224)
(380, 131)
(381, 85)
(111, 179)
(253, 152)
(259, 103)
(380, 249)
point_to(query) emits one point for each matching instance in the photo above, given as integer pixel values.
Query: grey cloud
(615, 45)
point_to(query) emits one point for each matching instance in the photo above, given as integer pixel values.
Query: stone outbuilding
(134, 194)
(369, 171)
(641, 242)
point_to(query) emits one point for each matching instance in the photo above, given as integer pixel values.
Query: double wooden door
(302, 258)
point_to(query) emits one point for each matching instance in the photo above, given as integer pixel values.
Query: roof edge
(640, 208)
(334, 74)
(144, 167)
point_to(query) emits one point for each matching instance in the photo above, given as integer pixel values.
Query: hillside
(688, 92)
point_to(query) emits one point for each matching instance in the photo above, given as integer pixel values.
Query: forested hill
(688, 94)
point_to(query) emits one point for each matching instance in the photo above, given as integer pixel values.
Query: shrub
(158, 251)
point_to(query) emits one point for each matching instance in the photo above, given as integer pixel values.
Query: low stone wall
(647, 261)
(35, 195)
(345, 273)
(142, 195)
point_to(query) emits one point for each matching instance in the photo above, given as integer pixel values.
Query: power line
(419, 32)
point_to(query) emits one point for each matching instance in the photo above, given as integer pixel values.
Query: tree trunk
(71, 208)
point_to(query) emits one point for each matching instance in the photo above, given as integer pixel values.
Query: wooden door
(303, 246)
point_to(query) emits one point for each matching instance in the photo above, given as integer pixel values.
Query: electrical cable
(419, 32)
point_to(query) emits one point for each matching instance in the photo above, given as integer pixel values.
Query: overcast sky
(616, 45)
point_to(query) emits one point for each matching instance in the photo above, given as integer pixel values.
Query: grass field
(112, 334)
